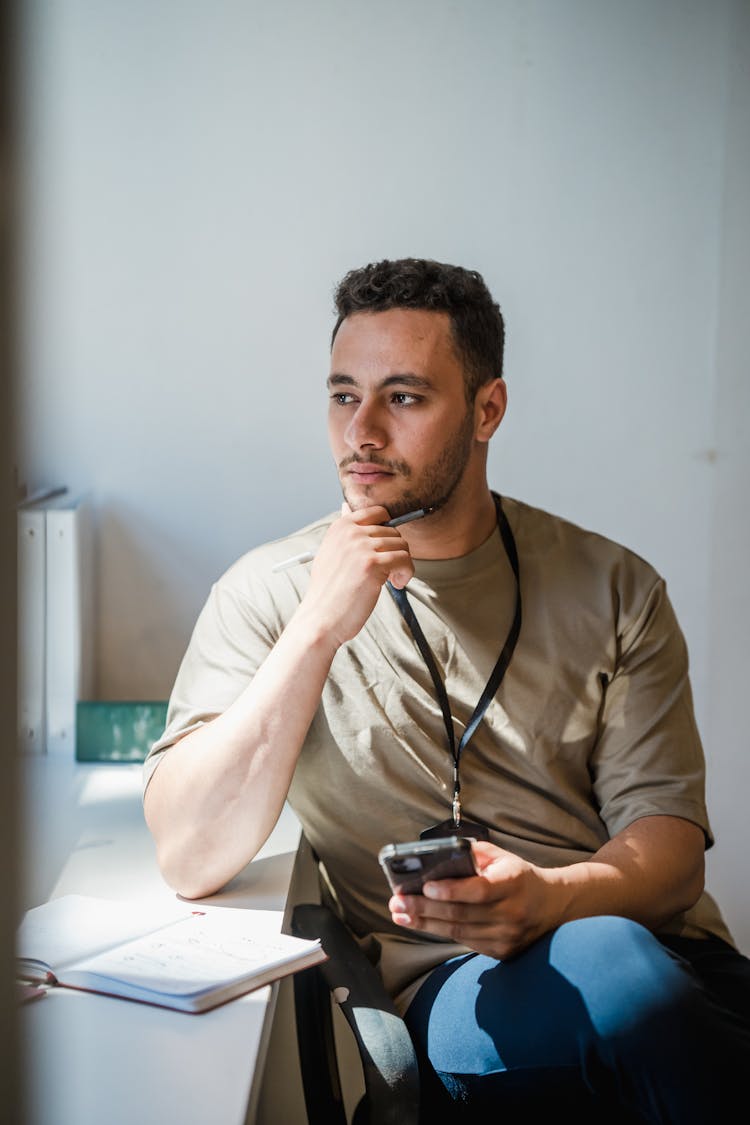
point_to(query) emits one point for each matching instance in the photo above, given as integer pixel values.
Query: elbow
(197, 854)
(694, 884)
(195, 863)
(189, 880)
(195, 889)
(181, 855)
(674, 850)
(686, 891)
(184, 863)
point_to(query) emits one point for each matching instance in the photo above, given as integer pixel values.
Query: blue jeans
(598, 1021)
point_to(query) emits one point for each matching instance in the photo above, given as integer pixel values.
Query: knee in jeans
(629, 982)
(595, 942)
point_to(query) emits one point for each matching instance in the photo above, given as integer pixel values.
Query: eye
(342, 398)
(404, 398)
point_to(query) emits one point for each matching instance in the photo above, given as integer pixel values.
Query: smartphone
(408, 866)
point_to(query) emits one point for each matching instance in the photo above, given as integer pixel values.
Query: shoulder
(263, 558)
(254, 581)
(538, 533)
(563, 561)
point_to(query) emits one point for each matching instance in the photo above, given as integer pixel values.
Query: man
(530, 689)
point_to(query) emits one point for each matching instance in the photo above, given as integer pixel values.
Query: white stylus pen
(308, 556)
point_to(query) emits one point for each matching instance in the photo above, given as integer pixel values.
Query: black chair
(389, 1063)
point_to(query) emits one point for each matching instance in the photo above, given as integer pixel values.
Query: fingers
(486, 854)
(435, 908)
(446, 898)
(401, 576)
(455, 921)
(500, 911)
(447, 905)
(483, 927)
(356, 557)
(376, 515)
(387, 541)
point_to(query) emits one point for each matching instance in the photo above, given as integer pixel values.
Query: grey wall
(729, 529)
(200, 175)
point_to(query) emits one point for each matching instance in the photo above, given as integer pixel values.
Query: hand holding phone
(408, 866)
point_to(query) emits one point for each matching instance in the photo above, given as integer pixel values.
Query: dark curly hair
(477, 324)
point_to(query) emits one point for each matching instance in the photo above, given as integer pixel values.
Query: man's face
(400, 429)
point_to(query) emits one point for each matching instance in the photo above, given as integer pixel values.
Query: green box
(109, 731)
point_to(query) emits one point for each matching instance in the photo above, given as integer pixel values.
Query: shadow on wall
(150, 590)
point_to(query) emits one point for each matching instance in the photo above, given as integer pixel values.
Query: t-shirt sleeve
(236, 629)
(648, 759)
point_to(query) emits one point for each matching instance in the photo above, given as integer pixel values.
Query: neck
(454, 530)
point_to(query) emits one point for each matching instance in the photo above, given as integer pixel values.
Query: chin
(356, 500)
(395, 505)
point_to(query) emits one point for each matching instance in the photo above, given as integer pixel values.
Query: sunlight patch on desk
(106, 785)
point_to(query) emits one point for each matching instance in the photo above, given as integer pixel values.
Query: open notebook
(190, 959)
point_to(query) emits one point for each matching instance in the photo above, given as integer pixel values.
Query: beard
(436, 482)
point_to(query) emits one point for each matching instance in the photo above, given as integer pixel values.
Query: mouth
(367, 473)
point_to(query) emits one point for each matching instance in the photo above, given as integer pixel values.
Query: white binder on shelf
(31, 620)
(69, 666)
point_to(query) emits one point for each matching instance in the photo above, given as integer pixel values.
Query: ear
(489, 408)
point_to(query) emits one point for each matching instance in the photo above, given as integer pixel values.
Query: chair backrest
(389, 1062)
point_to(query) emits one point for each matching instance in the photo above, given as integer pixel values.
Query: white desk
(92, 1059)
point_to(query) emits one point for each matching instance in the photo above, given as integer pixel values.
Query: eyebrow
(404, 379)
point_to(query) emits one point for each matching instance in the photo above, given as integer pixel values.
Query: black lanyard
(496, 676)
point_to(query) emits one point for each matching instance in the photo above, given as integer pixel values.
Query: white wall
(201, 175)
(729, 532)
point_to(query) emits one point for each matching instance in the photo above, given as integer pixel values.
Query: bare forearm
(649, 872)
(217, 793)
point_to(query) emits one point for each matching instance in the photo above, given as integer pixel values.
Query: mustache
(382, 463)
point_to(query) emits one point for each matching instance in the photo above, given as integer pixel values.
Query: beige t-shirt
(592, 726)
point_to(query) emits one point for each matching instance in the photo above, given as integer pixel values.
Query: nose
(365, 428)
